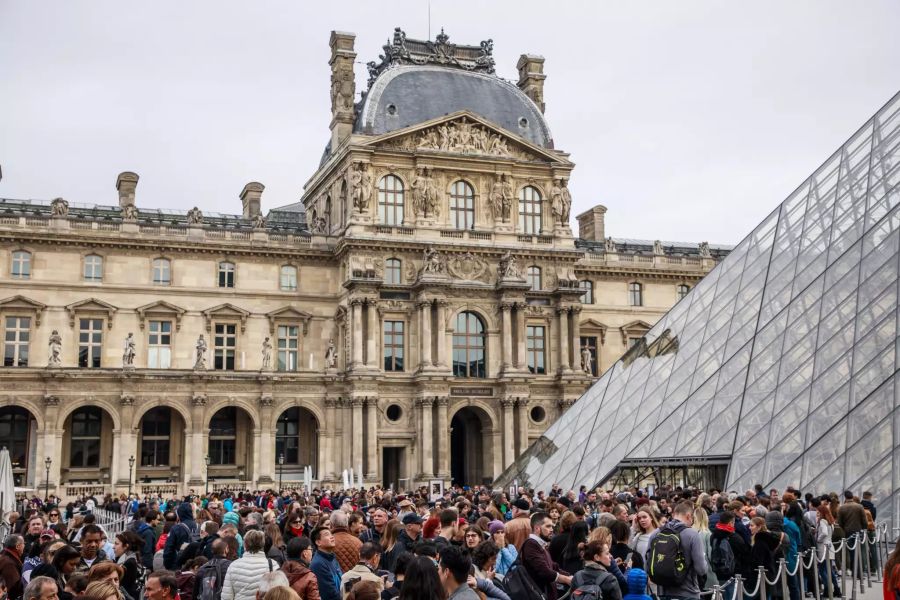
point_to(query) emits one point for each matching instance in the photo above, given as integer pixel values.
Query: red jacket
(302, 580)
(11, 571)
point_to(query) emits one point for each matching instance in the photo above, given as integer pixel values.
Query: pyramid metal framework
(780, 364)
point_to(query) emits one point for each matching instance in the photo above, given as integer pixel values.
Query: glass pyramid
(780, 364)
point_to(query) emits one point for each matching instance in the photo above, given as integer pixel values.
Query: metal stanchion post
(801, 579)
(815, 572)
(829, 574)
(782, 571)
(866, 558)
(739, 588)
(853, 571)
(762, 583)
(717, 593)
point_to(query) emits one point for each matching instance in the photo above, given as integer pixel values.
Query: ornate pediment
(160, 308)
(23, 305)
(592, 326)
(634, 329)
(288, 314)
(464, 133)
(468, 267)
(91, 306)
(226, 311)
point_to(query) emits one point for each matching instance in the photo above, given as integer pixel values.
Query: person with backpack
(211, 576)
(181, 535)
(146, 529)
(243, 575)
(675, 556)
(595, 581)
(729, 555)
(539, 568)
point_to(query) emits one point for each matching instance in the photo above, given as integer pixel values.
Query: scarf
(121, 560)
(728, 528)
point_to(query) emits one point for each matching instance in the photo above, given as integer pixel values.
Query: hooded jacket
(738, 547)
(243, 576)
(595, 573)
(302, 580)
(762, 554)
(148, 534)
(637, 585)
(183, 533)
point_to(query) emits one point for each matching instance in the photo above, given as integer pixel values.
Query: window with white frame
(392, 273)
(224, 346)
(535, 346)
(93, 268)
(587, 287)
(635, 294)
(288, 278)
(288, 347)
(21, 265)
(533, 276)
(462, 205)
(529, 210)
(226, 274)
(17, 335)
(390, 200)
(159, 345)
(90, 343)
(162, 271)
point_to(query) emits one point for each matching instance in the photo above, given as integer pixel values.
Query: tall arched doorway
(230, 448)
(18, 433)
(471, 450)
(297, 439)
(162, 445)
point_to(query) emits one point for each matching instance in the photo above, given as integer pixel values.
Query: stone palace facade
(422, 313)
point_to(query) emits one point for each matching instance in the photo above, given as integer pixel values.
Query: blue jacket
(328, 574)
(637, 585)
(149, 536)
(180, 535)
(505, 559)
(793, 532)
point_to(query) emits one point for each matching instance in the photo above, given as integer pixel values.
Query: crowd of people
(470, 543)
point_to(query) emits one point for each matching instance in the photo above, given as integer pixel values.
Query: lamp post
(207, 474)
(280, 470)
(130, 475)
(47, 462)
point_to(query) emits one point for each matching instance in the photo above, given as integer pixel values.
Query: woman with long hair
(127, 549)
(422, 581)
(701, 526)
(388, 541)
(763, 544)
(644, 525)
(824, 533)
(276, 544)
(572, 561)
(508, 553)
(101, 590)
(65, 561)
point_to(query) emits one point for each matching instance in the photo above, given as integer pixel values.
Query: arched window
(469, 346)
(93, 268)
(390, 200)
(587, 287)
(462, 205)
(162, 271)
(288, 278)
(85, 446)
(226, 274)
(156, 430)
(681, 290)
(392, 271)
(635, 294)
(223, 437)
(21, 265)
(533, 276)
(530, 210)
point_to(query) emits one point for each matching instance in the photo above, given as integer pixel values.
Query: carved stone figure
(609, 245)
(506, 198)
(55, 350)
(458, 136)
(418, 190)
(509, 267)
(259, 221)
(360, 187)
(200, 354)
(566, 200)
(704, 250)
(658, 248)
(586, 358)
(195, 216)
(129, 213)
(59, 207)
(434, 262)
(556, 203)
(319, 225)
(128, 352)
(469, 267)
(266, 354)
(331, 355)
(432, 204)
(342, 90)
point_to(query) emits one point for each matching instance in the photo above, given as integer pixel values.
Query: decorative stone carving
(126, 400)
(55, 349)
(319, 225)
(360, 183)
(195, 216)
(509, 267)
(331, 355)
(469, 267)
(609, 245)
(560, 202)
(704, 250)
(266, 354)
(460, 136)
(425, 195)
(199, 400)
(434, 263)
(200, 354)
(128, 352)
(500, 198)
(265, 401)
(129, 213)
(405, 51)
(50, 400)
(586, 359)
(59, 207)
(259, 221)
(342, 91)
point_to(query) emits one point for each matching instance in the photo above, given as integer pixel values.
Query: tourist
(561, 539)
(598, 562)
(346, 545)
(691, 548)
(392, 589)
(299, 555)
(825, 550)
(91, 536)
(572, 558)
(724, 533)
(325, 565)
(471, 538)
(210, 577)
(454, 573)
(764, 544)
(364, 570)
(379, 522)
(701, 526)
(279, 592)
(519, 528)
(507, 552)
(388, 541)
(161, 585)
(185, 532)
(147, 530)
(243, 575)
(449, 523)
(271, 580)
(126, 549)
(408, 536)
(41, 588)
(643, 526)
(536, 560)
(484, 557)
(275, 543)
(11, 564)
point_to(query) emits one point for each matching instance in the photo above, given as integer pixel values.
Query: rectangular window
(288, 347)
(156, 429)
(93, 268)
(289, 278)
(393, 345)
(591, 343)
(588, 296)
(633, 341)
(21, 265)
(85, 444)
(535, 349)
(222, 451)
(159, 345)
(90, 343)
(224, 345)
(226, 275)
(16, 339)
(162, 271)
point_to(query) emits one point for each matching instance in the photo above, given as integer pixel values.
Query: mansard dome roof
(405, 95)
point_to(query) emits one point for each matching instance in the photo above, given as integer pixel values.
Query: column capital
(426, 402)
(443, 400)
(507, 402)
(372, 302)
(356, 301)
(575, 308)
(372, 401)
(505, 306)
(523, 402)
(332, 402)
(563, 310)
(423, 303)
(356, 401)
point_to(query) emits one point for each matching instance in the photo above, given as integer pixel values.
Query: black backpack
(587, 592)
(667, 564)
(519, 584)
(721, 558)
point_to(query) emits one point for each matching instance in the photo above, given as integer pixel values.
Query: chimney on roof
(531, 78)
(343, 86)
(251, 196)
(591, 224)
(126, 183)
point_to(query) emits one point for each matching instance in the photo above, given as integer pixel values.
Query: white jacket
(243, 576)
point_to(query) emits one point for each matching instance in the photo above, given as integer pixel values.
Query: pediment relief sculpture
(463, 137)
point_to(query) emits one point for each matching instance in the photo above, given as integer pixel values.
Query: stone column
(357, 350)
(356, 455)
(372, 334)
(509, 431)
(562, 315)
(425, 435)
(440, 334)
(330, 440)
(252, 470)
(197, 448)
(507, 342)
(443, 429)
(264, 459)
(521, 361)
(371, 468)
(425, 333)
(523, 426)
(575, 337)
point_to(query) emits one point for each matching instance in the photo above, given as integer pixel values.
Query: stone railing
(234, 486)
(161, 490)
(76, 490)
(656, 261)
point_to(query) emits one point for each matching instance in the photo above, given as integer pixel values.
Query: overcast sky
(689, 120)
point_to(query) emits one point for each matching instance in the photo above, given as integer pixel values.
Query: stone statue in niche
(128, 352)
(609, 245)
(200, 354)
(331, 355)
(195, 216)
(560, 202)
(360, 186)
(55, 350)
(501, 198)
(586, 359)
(59, 208)
(566, 200)
(509, 267)
(267, 354)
